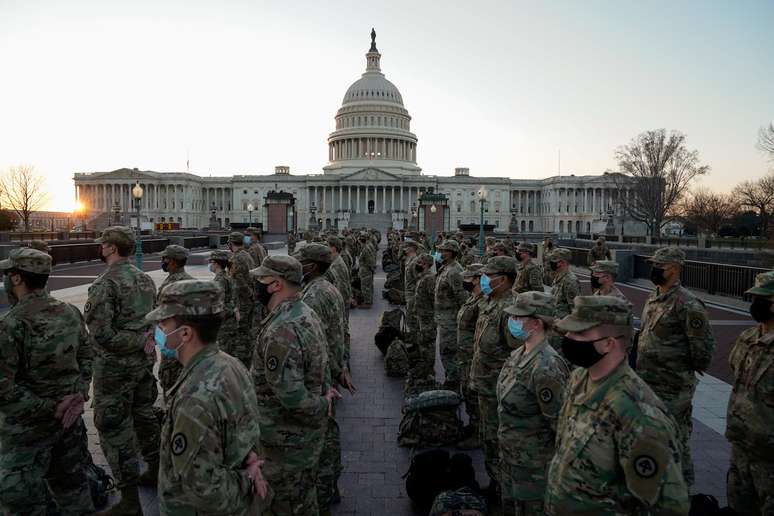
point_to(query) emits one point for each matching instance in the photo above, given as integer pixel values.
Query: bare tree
(22, 192)
(707, 210)
(661, 168)
(766, 140)
(758, 195)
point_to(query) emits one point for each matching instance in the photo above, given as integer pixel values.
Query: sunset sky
(498, 87)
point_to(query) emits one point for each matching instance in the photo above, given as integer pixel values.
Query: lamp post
(433, 209)
(482, 193)
(250, 209)
(137, 195)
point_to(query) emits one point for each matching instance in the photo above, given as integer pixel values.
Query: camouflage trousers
(488, 430)
(169, 371)
(330, 468)
(446, 321)
(295, 492)
(750, 483)
(682, 415)
(522, 490)
(34, 459)
(411, 318)
(123, 414)
(469, 395)
(366, 284)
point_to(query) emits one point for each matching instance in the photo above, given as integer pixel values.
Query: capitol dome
(373, 87)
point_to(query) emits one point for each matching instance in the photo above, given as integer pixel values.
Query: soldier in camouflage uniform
(675, 343)
(566, 285)
(466, 329)
(489, 243)
(466, 256)
(210, 436)
(366, 267)
(410, 276)
(338, 274)
(173, 260)
(603, 274)
(45, 373)
(617, 448)
(548, 248)
(529, 277)
(255, 248)
(751, 407)
(492, 344)
(290, 368)
(324, 299)
(292, 240)
(247, 311)
(530, 390)
(599, 252)
(124, 386)
(219, 264)
(449, 297)
(421, 350)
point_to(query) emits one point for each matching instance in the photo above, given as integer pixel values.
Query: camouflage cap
(40, 245)
(176, 252)
(449, 245)
(410, 243)
(118, 235)
(314, 252)
(560, 253)
(591, 311)
(426, 259)
(489, 240)
(605, 266)
(335, 241)
(236, 237)
(532, 304)
(500, 265)
(524, 248)
(500, 246)
(764, 285)
(223, 255)
(601, 240)
(27, 259)
(281, 266)
(188, 297)
(459, 234)
(252, 230)
(473, 270)
(668, 255)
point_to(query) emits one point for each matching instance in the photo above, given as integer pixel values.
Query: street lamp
(250, 209)
(433, 209)
(482, 194)
(137, 195)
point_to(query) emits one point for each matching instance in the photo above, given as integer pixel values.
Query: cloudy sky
(499, 87)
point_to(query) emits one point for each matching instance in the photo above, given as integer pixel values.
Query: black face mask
(468, 286)
(419, 268)
(262, 293)
(595, 284)
(165, 266)
(554, 265)
(760, 309)
(582, 353)
(657, 275)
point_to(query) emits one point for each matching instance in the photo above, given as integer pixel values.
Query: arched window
(561, 226)
(531, 226)
(523, 225)
(588, 227)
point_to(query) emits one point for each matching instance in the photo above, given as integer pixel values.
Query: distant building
(49, 221)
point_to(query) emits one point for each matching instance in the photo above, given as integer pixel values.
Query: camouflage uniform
(246, 305)
(366, 267)
(228, 334)
(124, 386)
(212, 420)
(599, 252)
(608, 267)
(617, 448)
(409, 289)
(289, 370)
(675, 341)
(751, 415)
(565, 286)
(256, 250)
(466, 329)
(449, 297)
(529, 277)
(530, 390)
(292, 240)
(338, 274)
(45, 355)
(548, 274)
(422, 351)
(492, 345)
(169, 368)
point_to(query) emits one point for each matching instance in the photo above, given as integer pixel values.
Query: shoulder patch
(271, 363)
(546, 395)
(696, 323)
(179, 443)
(276, 354)
(87, 306)
(646, 464)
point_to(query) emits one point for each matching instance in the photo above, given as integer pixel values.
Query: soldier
(254, 247)
(173, 260)
(449, 297)
(509, 247)
(492, 345)
(228, 335)
(489, 243)
(499, 249)
(599, 252)
(750, 411)
(210, 436)
(603, 274)
(46, 363)
(466, 257)
(290, 366)
(566, 285)
(421, 350)
(466, 328)
(529, 277)
(366, 267)
(410, 277)
(530, 389)
(338, 274)
(124, 386)
(675, 343)
(247, 313)
(292, 240)
(548, 248)
(617, 448)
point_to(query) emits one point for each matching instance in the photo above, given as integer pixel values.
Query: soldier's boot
(128, 506)
(492, 492)
(470, 440)
(151, 476)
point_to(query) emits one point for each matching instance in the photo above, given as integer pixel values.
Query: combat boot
(128, 506)
(151, 476)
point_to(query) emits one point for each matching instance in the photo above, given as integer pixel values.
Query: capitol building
(371, 179)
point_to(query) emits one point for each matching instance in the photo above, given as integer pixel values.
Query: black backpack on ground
(100, 483)
(434, 471)
(390, 328)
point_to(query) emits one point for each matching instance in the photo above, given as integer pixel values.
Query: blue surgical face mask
(161, 341)
(486, 288)
(247, 240)
(516, 328)
(437, 256)
(211, 267)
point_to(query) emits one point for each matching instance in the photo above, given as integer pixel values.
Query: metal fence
(199, 241)
(69, 253)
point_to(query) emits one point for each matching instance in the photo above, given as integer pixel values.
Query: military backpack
(434, 471)
(396, 362)
(390, 328)
(431, 419)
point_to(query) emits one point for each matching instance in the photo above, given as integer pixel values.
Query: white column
(357, 202)
(392, 198)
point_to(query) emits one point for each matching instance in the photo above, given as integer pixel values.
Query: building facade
(371, 179)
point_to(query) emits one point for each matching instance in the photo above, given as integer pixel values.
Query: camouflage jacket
(675, 340)
(289, 367)
(410, 277)
(210, 427)
(614, 291)
(229, 326)
(530, 390)
(529, 278)
(367, 257)
(347, 257)
(241, 263)
(466, 325)
(616, 450)
(564, 290)
(338, 274)
(115, 311)
(45, 354)
(449, 294)
(599, 253)
(423, 302)
(322, 297)
(257, 253)
(751, 405)
(172, 277)
(492, 344)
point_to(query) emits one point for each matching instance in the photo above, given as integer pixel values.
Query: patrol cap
(117, 235)
(335, 241)
(236, 237)
(176, 252)
(489, 240)
(601, 240)
(500, 246)
(591, 311)
(532, 304)
(449, 245)
(410, 243)
(606, 266)
(281, 266)
(40, 245)
(500, 265)
(252, 230)
(764, 285)
(314, 252)
(473, 270)
(221, 255)
(425, 258)
(524, 248)
(28, 260)
(188, 297)
(668, 255)
(560, 253)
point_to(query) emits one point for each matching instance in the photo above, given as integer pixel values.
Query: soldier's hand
(63, 405)
(150, 343)
(253, 468)
(73, 412)
(331, 395)
(345, 380)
